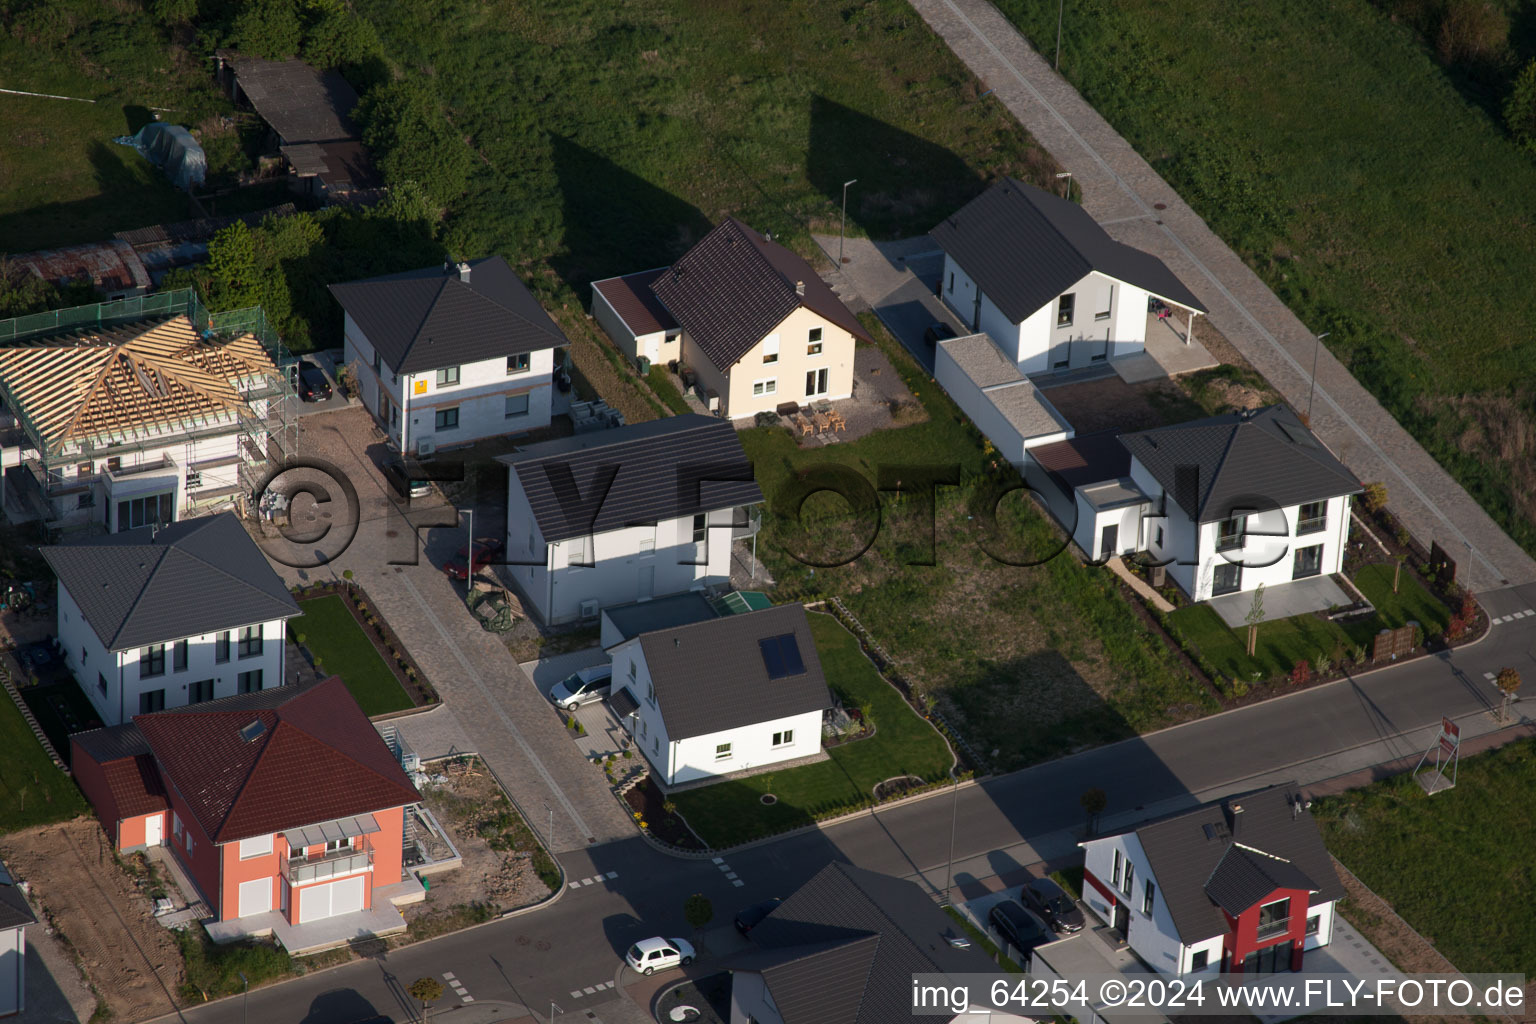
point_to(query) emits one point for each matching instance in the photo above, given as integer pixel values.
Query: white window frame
(257, 846)
(771, 349)
(766, 386)
(723, 752)
(784, 738)
(448, 377)
(1106, 303)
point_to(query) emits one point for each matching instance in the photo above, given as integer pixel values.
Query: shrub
(405, 124)
(270, 29)
(1375, 497)
(1471, 30)
(215, 969)
(1520, 108)
(1301, 673)
(1469, 608)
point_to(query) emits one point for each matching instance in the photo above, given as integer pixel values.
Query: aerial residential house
(1242, 499)
(844, 948)
(15, 915)
(284, 808)
(1243, 886)
(309, 116)
(759, 327)
(722, 696)
(1050, 286)
(119, 425)
(449, 355)
(635, 319)
(626, 514)
(159, 618)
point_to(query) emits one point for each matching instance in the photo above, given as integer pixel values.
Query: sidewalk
(1137, 207)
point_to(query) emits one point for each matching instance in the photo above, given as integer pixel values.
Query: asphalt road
(1000, 826)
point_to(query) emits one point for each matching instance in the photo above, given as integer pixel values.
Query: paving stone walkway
(1137, 207)
(489, 700)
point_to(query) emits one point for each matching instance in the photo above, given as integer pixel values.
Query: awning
(623, 703)
(341, 828)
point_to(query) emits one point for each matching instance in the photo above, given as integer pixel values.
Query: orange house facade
(229, 787)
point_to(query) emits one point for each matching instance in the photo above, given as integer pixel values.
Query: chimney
(799, 287)
(463, 269)
(1234, 816)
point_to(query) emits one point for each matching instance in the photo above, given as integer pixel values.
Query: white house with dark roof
(1244, 886)
(626, 514)
(153, 619)
(843, 949)
(722, 696)
(15, 915)
(759, 326)
(1039, 275)
(449, 355)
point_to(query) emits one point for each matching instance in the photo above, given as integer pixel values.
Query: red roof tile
(135, 786)
(317, 758)
(631, 297)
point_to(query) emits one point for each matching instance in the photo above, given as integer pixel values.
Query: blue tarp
(172, 149)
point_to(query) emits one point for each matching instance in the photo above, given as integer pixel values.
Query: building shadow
(613, 221)
(342, 1006)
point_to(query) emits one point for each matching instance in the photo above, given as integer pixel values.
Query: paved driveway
(897, 279)
(497, 706)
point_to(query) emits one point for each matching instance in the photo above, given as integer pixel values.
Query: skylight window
(781, 656)
(253, 732)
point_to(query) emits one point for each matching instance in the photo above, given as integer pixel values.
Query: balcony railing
(1229, 541)
(1316, 524)
(331, 865)
(1269, 929)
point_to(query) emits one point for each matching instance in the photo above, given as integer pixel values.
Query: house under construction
(142, 411)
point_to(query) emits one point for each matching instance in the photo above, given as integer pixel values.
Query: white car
(650, 955)
(584, 687)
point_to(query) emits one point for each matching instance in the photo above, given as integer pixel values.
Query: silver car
(584, 687)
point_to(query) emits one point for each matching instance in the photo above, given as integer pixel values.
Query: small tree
(698, 911)
(1253, 618)
(426, 991)
(1508, 682)
(1520, 108)
(1375, 497)
(1093, 802)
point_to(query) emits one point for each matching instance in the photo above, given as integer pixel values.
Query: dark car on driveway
(1049, 901)
(407, 477)
(313, 385)
(1019, 927)
(753, 916)
(487, 550)
(937, 332)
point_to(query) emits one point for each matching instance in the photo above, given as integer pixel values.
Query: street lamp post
(549, 836)
(1066, 191)
(843, 224)
(469, 562)
(245, 997)
(1317, 345)
(954, 813)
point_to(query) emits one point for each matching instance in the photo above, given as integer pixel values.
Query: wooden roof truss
(130, 381)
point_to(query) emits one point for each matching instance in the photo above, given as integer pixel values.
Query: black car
(1048, 900)
(407, 477)
(753, 916)
(938, 332)
(1019, 927)
(313, 385)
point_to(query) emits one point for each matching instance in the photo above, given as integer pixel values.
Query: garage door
(331, 900)
(255, 896)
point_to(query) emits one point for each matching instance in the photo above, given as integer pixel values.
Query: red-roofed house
(284, 807)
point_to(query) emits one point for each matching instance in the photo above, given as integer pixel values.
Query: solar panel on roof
(781, 656)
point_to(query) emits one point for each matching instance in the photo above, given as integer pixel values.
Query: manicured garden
(1438, 860)
(1284, 643)
(1340, 155)
(732, 812)
(32, 790)
(339, 645)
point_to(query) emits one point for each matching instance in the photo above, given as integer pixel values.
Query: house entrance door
(1109, 542)
(154, 830)
(1123, 921)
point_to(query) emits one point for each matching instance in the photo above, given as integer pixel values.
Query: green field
(1284, 642)
(731, 812)
(1026, 662)
(1338, 157)
(32, 790)
(1437, 859)
(338, 643)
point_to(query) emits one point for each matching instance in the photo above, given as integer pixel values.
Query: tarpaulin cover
(172, 149)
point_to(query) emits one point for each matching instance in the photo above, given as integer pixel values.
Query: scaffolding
(264, 420)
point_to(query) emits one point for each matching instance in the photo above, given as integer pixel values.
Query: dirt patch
(1235, 395)
(502, 860)
(594, 358)
(100, 913)
(1108, 404)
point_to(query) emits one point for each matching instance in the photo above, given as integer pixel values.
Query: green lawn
(1284, 642)
(666, 390)
(1026, 661)
(1328, 146)
(1437, 859)
(336, 641)
(32, 790)
(903, 744)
